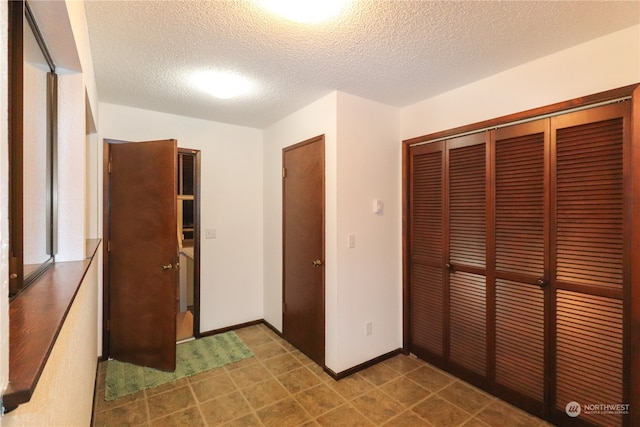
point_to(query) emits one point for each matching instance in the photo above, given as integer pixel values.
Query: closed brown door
(465, 226)
(521, 257)
(303, 247)
(428, 302)
(589, 259)
(143, 253)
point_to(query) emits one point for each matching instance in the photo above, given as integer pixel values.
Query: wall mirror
(33, 129)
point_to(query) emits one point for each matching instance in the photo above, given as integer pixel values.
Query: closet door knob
(541, 282)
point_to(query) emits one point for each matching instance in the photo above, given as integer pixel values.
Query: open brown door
(303, 247)
(142, 276)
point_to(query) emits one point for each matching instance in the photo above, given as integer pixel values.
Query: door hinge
(108, 324)
(109, 246)
(284, 172)
(284, 307)
(109, 166)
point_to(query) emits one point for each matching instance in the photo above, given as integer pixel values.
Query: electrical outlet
(368, 328)
(351, 241)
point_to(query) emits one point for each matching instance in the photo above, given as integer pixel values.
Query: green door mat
(192, 357)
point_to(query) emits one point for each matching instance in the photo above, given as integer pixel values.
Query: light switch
(378, 206)
(210, 233)
(351, 241)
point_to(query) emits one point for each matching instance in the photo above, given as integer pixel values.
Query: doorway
(303, 316)
(188, 232)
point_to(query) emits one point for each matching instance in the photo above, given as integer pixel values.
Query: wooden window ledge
(36, 317)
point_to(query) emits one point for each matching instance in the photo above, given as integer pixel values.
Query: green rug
(192, 357)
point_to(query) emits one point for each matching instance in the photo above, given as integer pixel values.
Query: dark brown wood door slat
(467, 290)
(520, 338)
(590, 203)
(589, 260)
(521, 259)
(467, 321)
(589, 353)
(426, 248)
(519, 204)
(467, 205)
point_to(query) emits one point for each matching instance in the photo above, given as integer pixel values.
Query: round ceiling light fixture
(305, 11)
(222, 84)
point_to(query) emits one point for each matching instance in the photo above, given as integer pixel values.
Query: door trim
(106, 265)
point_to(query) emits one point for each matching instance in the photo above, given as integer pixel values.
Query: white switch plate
(378, 206)
(210, 233)
(351, 241)
(368, 328)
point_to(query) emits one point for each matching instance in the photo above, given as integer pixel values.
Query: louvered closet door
(588, 259)
(426, 247)
(520, 263)
(466, 228)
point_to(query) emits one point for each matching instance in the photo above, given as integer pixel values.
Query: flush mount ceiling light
(223, 85)
(305, 11)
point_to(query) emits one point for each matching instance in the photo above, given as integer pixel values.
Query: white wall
(362, 162)
(369, 275)
(231, 190)
(71, 168)
(605, 63)
(318, 118)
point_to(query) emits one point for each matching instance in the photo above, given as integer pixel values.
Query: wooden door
(447, 243)
(427, 302)
(303, 316)
(520, 258)
(466, 229)
(589, 259)
(536, 229)
(143, 253)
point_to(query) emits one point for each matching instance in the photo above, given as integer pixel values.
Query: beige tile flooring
(281, 387)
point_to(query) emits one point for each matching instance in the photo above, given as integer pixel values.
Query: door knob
(317, 263)
(541, 282)
(167, 267)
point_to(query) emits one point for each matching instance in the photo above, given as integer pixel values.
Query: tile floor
(282, 387)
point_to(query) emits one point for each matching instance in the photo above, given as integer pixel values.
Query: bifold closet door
(466, 228)
(447, 245)
(590, 258)
(520, 254)
(426, 248)
(519, 246)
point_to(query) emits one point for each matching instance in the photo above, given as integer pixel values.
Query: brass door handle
(167, 267)
(317, 263)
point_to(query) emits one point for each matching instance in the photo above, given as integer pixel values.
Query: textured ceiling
(394, 52)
